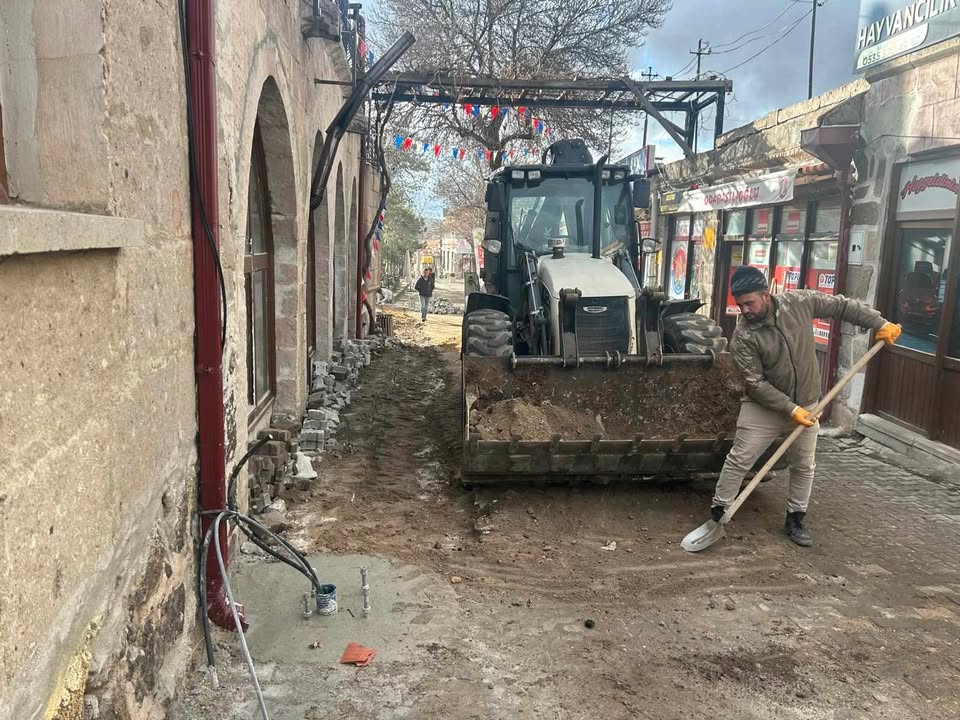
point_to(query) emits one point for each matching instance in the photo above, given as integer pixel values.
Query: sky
(775, 78)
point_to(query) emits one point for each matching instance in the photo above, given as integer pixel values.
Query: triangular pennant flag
(398, 141)
(436, 150)
(494, 111)
(367, 275)
(467, 108)
(526, 151)
(479, 153)
(426, 146)
(476, 111)
(522, 110)
(407, 143)
(486, 155)
(455, 153)
(504, 111)
(511, 152)
(376, 244)
(370, 58)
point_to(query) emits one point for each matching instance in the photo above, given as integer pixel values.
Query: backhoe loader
(571, 369)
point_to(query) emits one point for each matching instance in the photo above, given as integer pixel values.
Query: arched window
(258, 277)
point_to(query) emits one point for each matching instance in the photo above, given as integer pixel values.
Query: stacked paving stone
(286, 461)
(442, 306)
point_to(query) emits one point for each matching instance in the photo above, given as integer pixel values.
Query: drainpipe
(361, 231)
(843, 256)
(201, 33)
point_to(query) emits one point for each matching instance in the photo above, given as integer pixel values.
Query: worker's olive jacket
(777, 356)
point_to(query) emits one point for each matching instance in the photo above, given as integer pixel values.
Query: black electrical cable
(304, 569)
(194, 172)
(231, 486)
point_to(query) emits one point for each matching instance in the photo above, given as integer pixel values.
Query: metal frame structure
(689, 97)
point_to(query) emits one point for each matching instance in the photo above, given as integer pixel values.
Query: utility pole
(813, 35)
(648, 76)
(703, 48)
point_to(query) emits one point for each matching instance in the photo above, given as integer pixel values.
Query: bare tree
(515, 39)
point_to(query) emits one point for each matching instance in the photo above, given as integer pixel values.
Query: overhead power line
(780, 37)
(752, 32)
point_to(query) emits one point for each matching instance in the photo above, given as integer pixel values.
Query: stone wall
(97, 397)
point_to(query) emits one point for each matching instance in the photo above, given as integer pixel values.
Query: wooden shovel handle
(817, 410)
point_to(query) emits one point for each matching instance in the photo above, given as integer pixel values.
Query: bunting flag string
(405, 142)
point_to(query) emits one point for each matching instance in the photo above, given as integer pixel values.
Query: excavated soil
(539, 403)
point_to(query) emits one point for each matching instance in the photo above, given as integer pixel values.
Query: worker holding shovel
(773, 347)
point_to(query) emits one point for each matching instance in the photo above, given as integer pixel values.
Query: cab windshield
(563, 207)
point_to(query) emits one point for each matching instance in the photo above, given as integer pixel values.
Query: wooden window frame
(254, 263)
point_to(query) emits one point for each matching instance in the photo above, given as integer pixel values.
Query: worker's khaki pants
(757, 428)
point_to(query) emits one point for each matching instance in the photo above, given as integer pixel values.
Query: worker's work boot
(716, 512)
(795, 529)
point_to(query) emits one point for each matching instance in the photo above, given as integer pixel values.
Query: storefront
(917, 382)
(786, 224)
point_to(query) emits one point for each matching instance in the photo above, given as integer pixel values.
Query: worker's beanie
(747, 279)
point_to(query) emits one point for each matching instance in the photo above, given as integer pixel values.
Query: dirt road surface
(532, 613)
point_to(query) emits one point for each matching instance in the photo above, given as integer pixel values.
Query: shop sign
(670, 201)
(761, 222)
(639, 162)
(928, 188)
(891, 28)
(765, 190)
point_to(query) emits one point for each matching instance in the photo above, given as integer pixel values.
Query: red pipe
(361, 235)
(201, 35)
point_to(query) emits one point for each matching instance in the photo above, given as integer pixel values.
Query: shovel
(711, 531)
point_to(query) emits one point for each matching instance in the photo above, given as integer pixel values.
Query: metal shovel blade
(703, 537)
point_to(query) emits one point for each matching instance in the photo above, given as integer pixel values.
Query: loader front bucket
(544, 422)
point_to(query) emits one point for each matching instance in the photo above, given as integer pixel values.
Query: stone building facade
(98, 410)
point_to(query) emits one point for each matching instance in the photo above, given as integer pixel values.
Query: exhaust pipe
(597, 200)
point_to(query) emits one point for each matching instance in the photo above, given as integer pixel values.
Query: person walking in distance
(424, 288)
(774, 349)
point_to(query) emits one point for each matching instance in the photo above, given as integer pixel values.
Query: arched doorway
(271, 271)
(353, 292)
(340, 261)
(321, 300)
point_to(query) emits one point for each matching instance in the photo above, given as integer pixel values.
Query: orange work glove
(803, 417)
(888, 333)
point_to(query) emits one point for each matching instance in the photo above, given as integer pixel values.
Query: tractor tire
(487, 333)
(692, 333)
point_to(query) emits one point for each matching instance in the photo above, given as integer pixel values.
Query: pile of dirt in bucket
(538, 403)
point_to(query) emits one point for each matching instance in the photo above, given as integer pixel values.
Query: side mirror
(649, 246)
(641, 194)
(492, 246)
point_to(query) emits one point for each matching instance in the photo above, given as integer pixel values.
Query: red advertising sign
(761, 222)
(791, 221)
(825, 281)
(785, 278)
(678, 271)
